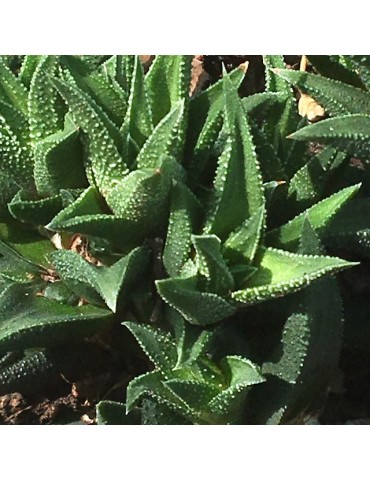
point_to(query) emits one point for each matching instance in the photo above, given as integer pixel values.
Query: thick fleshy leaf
(308, 183)
(163, 140)
(38, 212)
(151, 385)
(283, 116)
(330, 66)
(191, 341)
(348, 133)
(81, 276)
(138, 123)
(114, 413)
(337, 98)
(29, 321)
(142, 197)
(184, 210)
(259, 102)
(196, 394)
(43, 115)
(59, 162)
(320, 214)
(238, 189)
(157, 344)
(104, 138)
(205, 122)
(12, 90)
(26, 242)
(242, 244)
(167, 83)
(15, 267)
(211, 264)
(28, 68)
(280, 273)
(15, 167)
(198, 308)
(295, 340)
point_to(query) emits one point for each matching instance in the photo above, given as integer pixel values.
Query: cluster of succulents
(205, 230)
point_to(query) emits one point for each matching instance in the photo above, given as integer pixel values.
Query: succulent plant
(193, 214)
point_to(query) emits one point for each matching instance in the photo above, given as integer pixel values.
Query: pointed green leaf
(238, 190)
(104, 139)
(184, 211)
(349, 133)
(43, 115)
(58, 162)
(38, 212)
(280, 273)
(331, 67)
(28, 321)
(308, 183)
(163, 140)
(320, 214)
(142, 197)
(113, 413)
(28, 68)
(259, 102)
(337, 98)
(242, 244)
(12, 89)
(211, 264)
(138, 123)
(198, 308)
(151, 384)
(82, 276)
(27, 242)
(295, 340)
(157, 344)
(196, 394)
(205, 122)
(167, 82)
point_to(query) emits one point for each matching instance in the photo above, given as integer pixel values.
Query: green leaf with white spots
(26, 242)
(196, 394)
(308, 183)
(163, 140)
(15, 267)
(104, 138)
(138, 124)
(39, 212)
(157, 344)
(191, 341)
(337, 98)
(59, 162)
(238, 189)
(348, 133)
(109, 282)
(295, 340)
(241, 245)
(30, 321)
(320, 214)
(142, 197)
(151, 385)
(43, 116)
(198, 308)
(184, 213)
(260, 102)
(280, 273)
(205, 123)
(211, 264)
(28, 68)
(12, 90)
(167, 82)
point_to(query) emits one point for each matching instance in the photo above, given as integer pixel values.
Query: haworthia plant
(142, 219)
